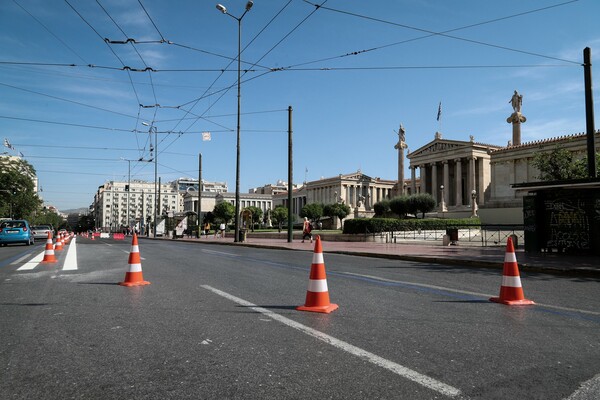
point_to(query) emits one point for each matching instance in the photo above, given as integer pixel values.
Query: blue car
(16, 231)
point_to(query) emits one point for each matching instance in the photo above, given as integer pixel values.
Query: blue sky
(352, 71)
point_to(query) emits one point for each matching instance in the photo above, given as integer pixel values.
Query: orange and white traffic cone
(511, 291)
(317, 295)
(49, 251)
(58, 246)
(134, 276)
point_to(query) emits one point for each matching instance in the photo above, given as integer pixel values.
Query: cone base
(129, 284)
(523, 302)
(322, 309)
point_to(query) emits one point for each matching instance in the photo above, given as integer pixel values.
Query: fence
(484, 235)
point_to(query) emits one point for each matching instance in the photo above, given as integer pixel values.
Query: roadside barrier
(317, 295)
(49, 251)
(118, 236)
(511, 291)
(134, 276)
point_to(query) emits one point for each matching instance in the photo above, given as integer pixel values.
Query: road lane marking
(446, 289)
(20, 259)
(398, 369)
(71, 259)
(31, 264)
(220, 253)
(588, 390)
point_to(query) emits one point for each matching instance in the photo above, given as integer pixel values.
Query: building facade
(357, 190)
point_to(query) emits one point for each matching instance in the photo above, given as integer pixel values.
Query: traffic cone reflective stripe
(134, 276)
(511, 291)
(58, 245)
(49, 251)
(317, 295)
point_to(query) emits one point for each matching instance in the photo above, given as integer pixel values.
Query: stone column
(413, 180)
(423, 175)
(446, 182)
(458, 181)
(434, 184)
(472, 175)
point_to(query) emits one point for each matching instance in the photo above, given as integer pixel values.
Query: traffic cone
(511, 291)
(92, 238)
(58, 246)
(317, 295)
(49, 251)
(134, 276)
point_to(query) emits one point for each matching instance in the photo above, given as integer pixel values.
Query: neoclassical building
(452, 168)
(359, 191)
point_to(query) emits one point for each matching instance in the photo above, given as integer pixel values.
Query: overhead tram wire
(355, 53)
(49, 31)
(109, 47)
(141, 58)
(433, 33)
(195, 101)
(67, 100)
(254, 64)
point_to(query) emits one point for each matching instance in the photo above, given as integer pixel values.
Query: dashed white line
(398, 369)
(31, 264)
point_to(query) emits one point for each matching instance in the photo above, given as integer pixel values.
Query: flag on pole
(439, 114)
(206, 136)
(7, 144)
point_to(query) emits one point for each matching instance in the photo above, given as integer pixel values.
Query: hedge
(376, 225)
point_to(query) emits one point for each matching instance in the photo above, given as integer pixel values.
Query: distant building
(359, 191)
(279, 187)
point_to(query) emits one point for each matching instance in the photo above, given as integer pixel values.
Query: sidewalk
(466, 256)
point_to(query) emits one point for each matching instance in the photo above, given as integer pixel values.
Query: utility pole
(589, 111)
(199, 208)
(290, 177)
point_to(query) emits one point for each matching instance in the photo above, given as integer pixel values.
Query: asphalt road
(219, 322)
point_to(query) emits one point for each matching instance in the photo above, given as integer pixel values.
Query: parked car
(16, 231)
(41, 231)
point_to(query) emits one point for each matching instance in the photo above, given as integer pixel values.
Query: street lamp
(152, 127)
(223, 9)
(473, 203)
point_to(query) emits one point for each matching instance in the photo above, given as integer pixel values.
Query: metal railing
(483, 235)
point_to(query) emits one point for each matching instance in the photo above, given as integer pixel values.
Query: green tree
(424, 202)
(279, 215)
(561, 164)
(338, 210)
(313, 211)
(17, 196)
(399, 206)
(382, 208)
(224, 211)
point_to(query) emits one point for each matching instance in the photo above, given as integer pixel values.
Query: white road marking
(220, 252)
(424, 285)
(587, 390)
(71, 259)
(31, 264)
(398, 369)
(20, 259)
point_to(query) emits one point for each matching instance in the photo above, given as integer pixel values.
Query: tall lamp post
(153, 128)
(223, 9)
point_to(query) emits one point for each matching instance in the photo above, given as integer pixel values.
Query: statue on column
(516, 118)
(400, 146)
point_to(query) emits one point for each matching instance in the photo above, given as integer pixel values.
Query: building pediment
(438, 146)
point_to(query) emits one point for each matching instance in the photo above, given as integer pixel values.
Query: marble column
(458, 181)
(413, 180)
(446, 182)
(434, 183)
(423, 178)
(472, 175)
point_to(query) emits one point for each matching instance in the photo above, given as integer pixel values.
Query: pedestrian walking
(206, 228)
(222, 229)
(306, 230)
